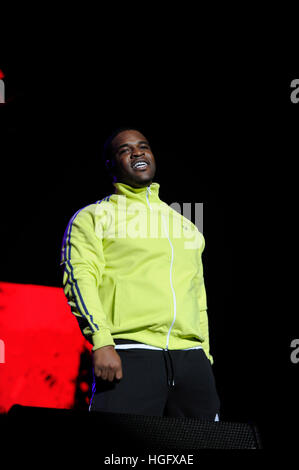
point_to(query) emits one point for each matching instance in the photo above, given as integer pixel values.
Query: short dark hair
(107, 149)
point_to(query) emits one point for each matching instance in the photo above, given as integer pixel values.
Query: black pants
(160, 383)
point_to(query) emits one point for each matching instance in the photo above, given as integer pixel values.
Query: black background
(222, 135)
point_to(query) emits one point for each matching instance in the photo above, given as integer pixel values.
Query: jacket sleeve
(82, 261)
(203, 319)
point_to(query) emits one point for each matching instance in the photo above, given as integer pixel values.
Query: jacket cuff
(101, 339)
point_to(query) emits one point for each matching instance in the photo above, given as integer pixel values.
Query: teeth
(140, 165)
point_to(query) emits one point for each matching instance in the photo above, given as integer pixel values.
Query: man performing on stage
(133, 277)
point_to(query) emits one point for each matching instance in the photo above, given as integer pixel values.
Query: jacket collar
(138, 193)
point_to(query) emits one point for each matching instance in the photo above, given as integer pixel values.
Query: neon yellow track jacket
(132, 269)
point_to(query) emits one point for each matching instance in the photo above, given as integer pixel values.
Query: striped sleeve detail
(83, 311)
(107, 198)
(66, 236)
(66, 261)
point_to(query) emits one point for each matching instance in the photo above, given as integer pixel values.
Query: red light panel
(40, 345)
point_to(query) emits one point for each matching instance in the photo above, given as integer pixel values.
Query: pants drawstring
(170, 377)
(172, 369)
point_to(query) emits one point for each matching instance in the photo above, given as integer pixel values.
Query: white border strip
(146, 346)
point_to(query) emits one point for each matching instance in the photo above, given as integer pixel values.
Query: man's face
(134, 162)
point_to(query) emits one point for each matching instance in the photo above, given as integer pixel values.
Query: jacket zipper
(148, 191)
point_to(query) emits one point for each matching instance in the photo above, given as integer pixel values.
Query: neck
(133, 184)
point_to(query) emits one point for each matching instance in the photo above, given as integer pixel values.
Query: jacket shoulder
(84, 213)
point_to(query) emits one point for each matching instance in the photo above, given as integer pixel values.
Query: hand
(107, 363)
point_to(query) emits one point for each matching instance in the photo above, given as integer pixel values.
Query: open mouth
(140, 165)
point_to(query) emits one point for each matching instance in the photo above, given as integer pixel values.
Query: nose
(137, 152)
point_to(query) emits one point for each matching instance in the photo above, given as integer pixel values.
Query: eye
(125, 150)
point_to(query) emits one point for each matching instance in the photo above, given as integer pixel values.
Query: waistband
(121, 343)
